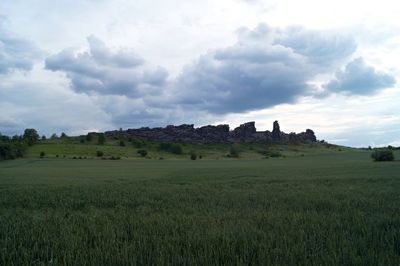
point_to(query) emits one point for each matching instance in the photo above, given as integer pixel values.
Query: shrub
(171, 147)
(142, 153)
(99, 154)
(193, 156)
(273, 154)
(233, 152)
(137, 143)
(42, 154)
(122, 143)
(382, 155)
(10, 150)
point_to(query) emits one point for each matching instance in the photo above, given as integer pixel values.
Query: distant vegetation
(142, 153)
(382, 155)
(171, 147)
(233, 152)
(15, 147)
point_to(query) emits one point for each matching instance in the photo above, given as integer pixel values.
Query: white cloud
(171, 37)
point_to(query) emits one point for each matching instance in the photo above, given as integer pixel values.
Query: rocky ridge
(245, 133)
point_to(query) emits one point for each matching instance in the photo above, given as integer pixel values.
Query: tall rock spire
(276, 132)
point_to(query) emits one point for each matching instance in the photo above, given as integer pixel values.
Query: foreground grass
(325, 209)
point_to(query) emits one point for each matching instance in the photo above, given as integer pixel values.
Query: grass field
(336, 208)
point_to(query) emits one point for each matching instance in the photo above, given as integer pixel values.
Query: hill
(182, 142)
(128, 148)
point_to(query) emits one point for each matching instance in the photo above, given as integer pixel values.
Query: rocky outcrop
(276, 131)
(214, 134)
(243, 132)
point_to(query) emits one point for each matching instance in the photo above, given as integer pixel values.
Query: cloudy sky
(85, 65)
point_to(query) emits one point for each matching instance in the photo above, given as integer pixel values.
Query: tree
(101, 139)
(30, 136)
(63, 135)
(89, 137)
(42, 154)
(122, 143)
(99, 154)
(193, 156)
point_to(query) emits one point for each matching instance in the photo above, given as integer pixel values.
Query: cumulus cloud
(323, 48)
(16, 53)
(266, 67)
(103, 71)
(359, 78)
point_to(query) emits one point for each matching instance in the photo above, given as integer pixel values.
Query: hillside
(78, 147)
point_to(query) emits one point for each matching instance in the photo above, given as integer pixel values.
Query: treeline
(14, 147)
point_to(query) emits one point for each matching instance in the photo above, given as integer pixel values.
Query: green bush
(42, 154)
(382, 155)
(142, 153)
(137, 143)
(99, 154)
(272, 154)
(122, 143)
(11, 148)
(233, 152)
(193, 156)
(171, 147)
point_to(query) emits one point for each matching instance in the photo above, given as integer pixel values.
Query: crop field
(338, 208)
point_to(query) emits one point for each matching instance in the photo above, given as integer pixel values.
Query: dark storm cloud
(101, 70)
(360, 79)
(16, 53)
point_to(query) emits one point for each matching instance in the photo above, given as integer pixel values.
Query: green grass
(326, 209)
(71, 147)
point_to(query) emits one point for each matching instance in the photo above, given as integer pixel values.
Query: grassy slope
(334, 208)
(70, 147)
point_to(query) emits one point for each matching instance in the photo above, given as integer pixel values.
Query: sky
(94, 65)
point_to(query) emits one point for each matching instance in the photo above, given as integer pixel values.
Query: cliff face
(214, 134)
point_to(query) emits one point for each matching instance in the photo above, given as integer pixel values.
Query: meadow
(327, 208)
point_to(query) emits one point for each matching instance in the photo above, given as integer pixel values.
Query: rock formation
(214, 134)
(276, 131)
